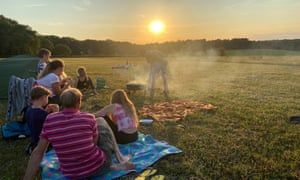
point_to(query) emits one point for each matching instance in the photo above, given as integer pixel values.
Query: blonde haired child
(124, 120)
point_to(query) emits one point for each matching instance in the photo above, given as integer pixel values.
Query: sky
(128, 20)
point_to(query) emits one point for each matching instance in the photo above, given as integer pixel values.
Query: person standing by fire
(158, 64)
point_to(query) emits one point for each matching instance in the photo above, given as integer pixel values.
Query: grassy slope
(247, 136)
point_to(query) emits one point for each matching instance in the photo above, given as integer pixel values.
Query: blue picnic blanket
(144, 152)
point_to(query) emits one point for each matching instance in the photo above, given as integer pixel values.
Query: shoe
(157, 177)
(146, 174)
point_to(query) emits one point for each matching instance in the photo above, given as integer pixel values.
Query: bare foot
(123, 159)
(122, 166)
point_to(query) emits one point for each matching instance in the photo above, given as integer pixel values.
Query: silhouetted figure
(158, 64)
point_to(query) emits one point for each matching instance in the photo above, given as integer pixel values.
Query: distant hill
(262, 52)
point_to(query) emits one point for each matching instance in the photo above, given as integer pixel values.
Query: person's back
(36, 114)
(48, 80)
(71, 134)
(122, 120)
(35, 118)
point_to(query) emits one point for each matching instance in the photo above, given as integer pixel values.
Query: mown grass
(248, 136)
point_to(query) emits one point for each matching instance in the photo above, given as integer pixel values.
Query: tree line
(18, 39)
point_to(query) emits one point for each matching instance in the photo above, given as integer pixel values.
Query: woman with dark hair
(50, 79)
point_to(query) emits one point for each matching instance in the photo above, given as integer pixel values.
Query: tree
(62, 50)
(46, 43)
(16, 38)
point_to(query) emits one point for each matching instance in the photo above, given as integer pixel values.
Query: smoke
(140, 74)
(189, 75)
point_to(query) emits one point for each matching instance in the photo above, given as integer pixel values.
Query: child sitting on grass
(44, 55)
(36, 114)
(50, 78)
(124, 121)
(83, 82)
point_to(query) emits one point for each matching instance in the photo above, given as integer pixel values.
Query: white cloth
(47, 81)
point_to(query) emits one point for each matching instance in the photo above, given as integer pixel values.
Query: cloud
(86, 2)
(82, 5)
(34, 5)
(79, 8)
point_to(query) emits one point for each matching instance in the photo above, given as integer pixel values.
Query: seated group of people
(54, 79)
(84, 142)
(52, 76)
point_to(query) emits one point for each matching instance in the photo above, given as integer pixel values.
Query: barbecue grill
(135, 86)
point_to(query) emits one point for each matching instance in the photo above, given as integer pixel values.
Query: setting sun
(156, 26)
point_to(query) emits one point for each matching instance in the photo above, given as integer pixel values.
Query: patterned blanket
(144, 152)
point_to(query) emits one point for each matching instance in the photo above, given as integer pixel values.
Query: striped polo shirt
(71, 134)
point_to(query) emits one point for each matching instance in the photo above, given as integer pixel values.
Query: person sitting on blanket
(84, 146)
(83, 82)
(50, 79)
(36, 114)
(124, 120)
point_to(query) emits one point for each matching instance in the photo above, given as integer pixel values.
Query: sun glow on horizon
(156, 26)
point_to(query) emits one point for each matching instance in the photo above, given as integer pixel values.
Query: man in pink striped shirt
(84, 145)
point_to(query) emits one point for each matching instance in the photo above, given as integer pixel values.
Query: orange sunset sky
(128, 20)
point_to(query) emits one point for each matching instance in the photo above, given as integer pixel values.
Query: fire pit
(135, 86)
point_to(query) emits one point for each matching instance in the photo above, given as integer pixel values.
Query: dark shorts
(105, 143)
(121, 137)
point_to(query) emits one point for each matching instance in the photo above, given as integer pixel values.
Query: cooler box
(100, 82)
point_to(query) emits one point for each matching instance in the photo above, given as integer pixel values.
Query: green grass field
(248, 136)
